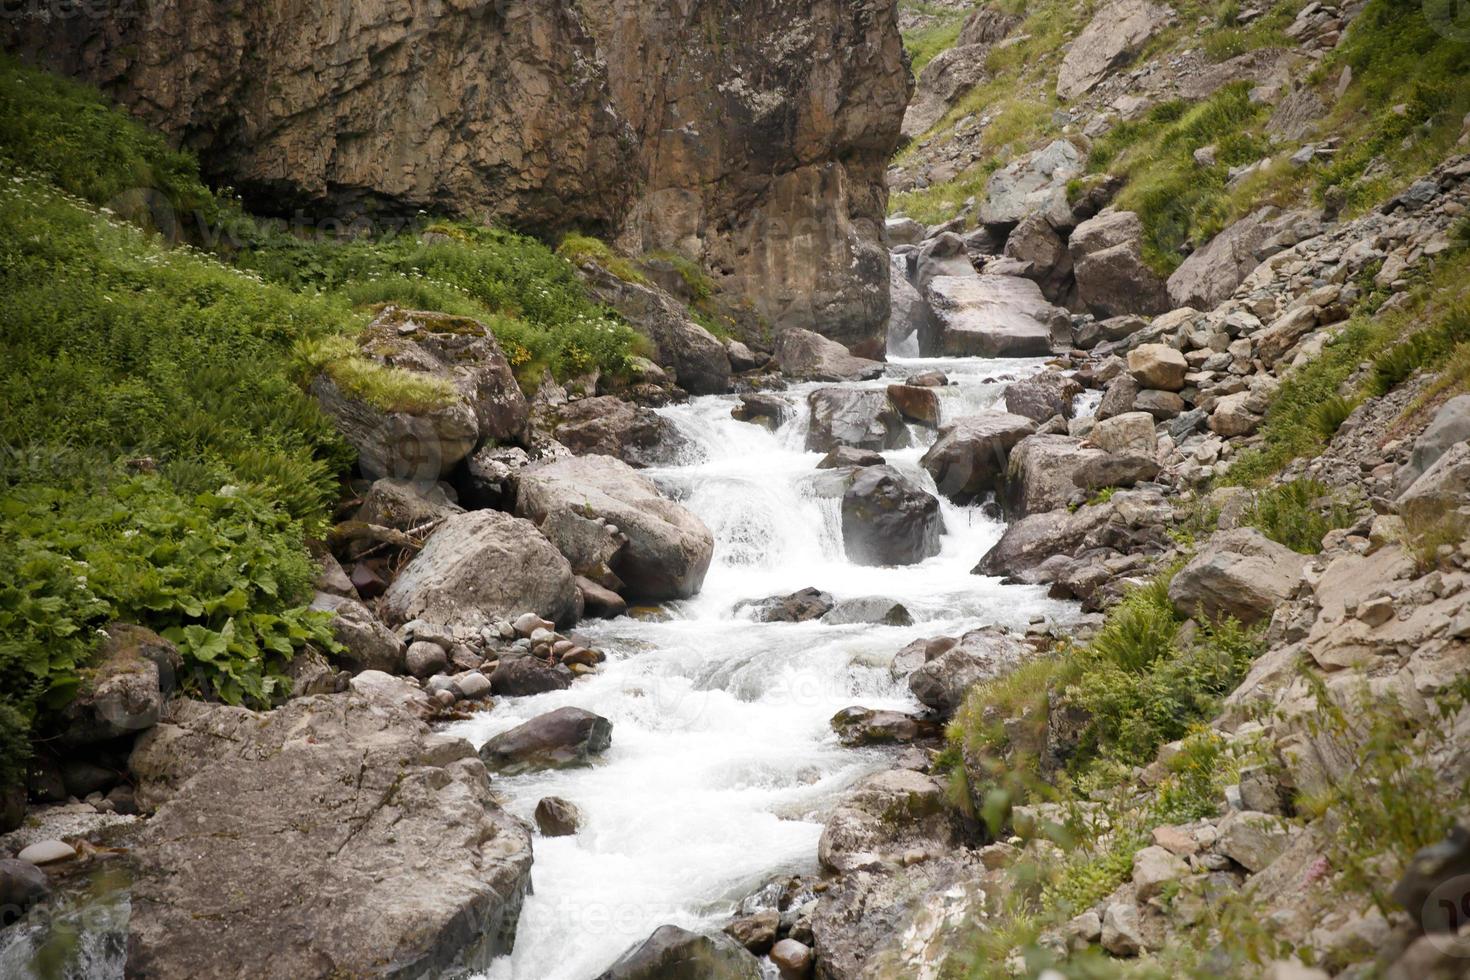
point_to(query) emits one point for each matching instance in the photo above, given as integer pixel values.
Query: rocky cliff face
(751, 136)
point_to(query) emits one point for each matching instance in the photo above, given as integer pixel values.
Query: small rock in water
(757, 932)
(555, 817)
(22, 885)
(47, 852)
(793, 959)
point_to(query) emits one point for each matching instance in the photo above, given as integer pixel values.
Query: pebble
(47, 852)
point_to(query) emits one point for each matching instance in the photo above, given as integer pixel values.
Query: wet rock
(757, 932)
(373, 836)
(868, 609)
(1114, 36)
(1112, 278)
(1042, 397)
(555, 817)
(793, 959)
(993, 316)
(862, 418)
(888, 520)
(480, 567)
(969, 458)
(672, 953)
(668, 549)
(518, 677)
(22, 885)
(812, 357)
(556, 740)
(798, 607)
(845, 456)
(609, 426)
(915, 403)
(865, 726)
(366, 643)
(599, 602)
(767, 410)
(1239, 573)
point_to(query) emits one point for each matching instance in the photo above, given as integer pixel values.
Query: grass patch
(578, 249)
(926, 43)
(1298, 513)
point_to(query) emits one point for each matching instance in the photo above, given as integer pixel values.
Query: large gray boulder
(1114, 37)
(889, 520)
(1112, 278)
(123, 692)
(862, 418)
(969, 458)
(672, 953)
(695, 358)
(556, 740)
(1042, 256)
(481, 567)
(423, 440)
(993, 316)
(981, 655)
(1041, 397)
(366, 643)
(609, 426)
(668, 549)
(1441, 492)
(404, 504)
(1047, 472)
(1239, 573)
(1032, 184)
(1451, 425)
(812, 357)
(334, 836)
(1210, 274)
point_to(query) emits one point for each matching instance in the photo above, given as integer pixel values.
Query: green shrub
(1139, 630)
(1420, 350)
(578, 249)
(1298, 513)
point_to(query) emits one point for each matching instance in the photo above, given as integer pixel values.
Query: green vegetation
(578, 249)
(939, 35)
(1298, 513)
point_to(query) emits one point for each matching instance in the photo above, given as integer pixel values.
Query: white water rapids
(723, 763)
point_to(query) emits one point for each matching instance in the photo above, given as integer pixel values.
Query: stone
(1440, 492)
(771, 411)
(555, 817)
(1153, 868)
(993, 316)
(1276, 340)
(1161, 405)
(22, 885)
(1035, 183)
(1130, 433)
(1114, 36)
(876, 610)
(46, 852)
(863, 418)
(1122, 934)
(916, 404)
(559, 739)
(969, 458)
(1112, 278)
(792, 959)
(1430, 871)
(909, 326)
(366, 643)
(518, 677)
(668, 550)
(404, 504)
(889, 520)
(122, 693)
(757, 932)
(1043, 255)
(341, 818)
(798, 607)
(1157, 366)
(609, 426)
(480, 567)
(1041, 473)
(1208, 276)
(1232, 417)
(981, 655)
(1238, 573)
(1451, 425)
(809, 356)
(1252, 840)
(425, 659)
(843, 457)
(599, 602)
(858, 726)
(1118, 398)
(635, 127)
(472, 685)
(1041, 397)
(695, 359)
(903, 230)
(672, 953)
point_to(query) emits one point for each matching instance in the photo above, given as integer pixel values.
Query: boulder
(668, 549)
(609, 426)
(1043, 396)
(481, 399)
(1131, 433)
(693, 356)
(1118, 398)
(1035, 183)
(1114, 37)
(1161, 405)
(916, 403)
(889, 520)
(1283, 333)
(993, 316)
(1047, 472)
(1451, 425)
(943, 255)
(123, 690)
(955, 71)
(887, 812)
(1232, 416)
(1043, 257)
(868, 609)
(366, 643)
(425, 659)
(798, 607)
(863, 418)
(1122, 934)
(812, 357)
(981, 655)
(404, 504)
(1239, 573)
(1112, 278)
(1153, 868)
(556, 740)
(1157, 366)
(599, 602)
(1252, 840)
(22, 885)
(1443, 489)
(792, 959)
(864, 726)
(757, 932)
(555, 817)
(903, 230)
(481, 567)
(845, 456)
(342, 835)
(1210, 274)
(771, 411)
(969, 458)
(518, 677)
(909, 324)
(672, 953)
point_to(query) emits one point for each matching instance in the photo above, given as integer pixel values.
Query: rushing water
(723, 763)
